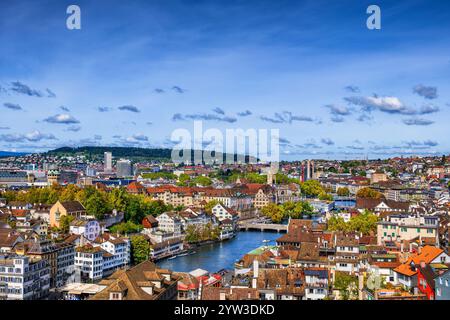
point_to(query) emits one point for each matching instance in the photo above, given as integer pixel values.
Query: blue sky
(137, 70)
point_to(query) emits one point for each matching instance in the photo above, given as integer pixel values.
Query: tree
(343, 192)
(274, 212)
(201, 180)
(364, 223)
(337, 224)
(346, 284)
(297, 210)
(64, 223)
(325, 196)
(183, 180)
(126, 228)
(97, 206)
(311, 188)
(140, 249)
(118, 198)
(369, 193)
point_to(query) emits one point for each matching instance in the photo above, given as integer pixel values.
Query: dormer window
(115, 296)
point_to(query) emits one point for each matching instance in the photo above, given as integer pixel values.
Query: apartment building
(400, 227)
(23, 278)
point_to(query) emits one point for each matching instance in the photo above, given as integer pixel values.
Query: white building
(23, 279)
(102, 257)
(222, 212)
(90, 229)
(107, 162)
(170, 222)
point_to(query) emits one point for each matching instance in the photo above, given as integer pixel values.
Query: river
(216, 256)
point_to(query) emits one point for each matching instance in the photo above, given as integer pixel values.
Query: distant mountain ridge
(12, 154)
(129, 152)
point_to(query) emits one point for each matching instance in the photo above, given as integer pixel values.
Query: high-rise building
(108, 162)
(124, 168)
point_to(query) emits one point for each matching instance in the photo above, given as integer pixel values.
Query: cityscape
(247, 152)
(107, 228)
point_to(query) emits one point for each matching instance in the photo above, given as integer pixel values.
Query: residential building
(442, 286)
(23, 278)
(400, 227)
(59, 209)
(142, 282)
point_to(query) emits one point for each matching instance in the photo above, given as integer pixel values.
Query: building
(100, 258)
(378, 177)
(90, 229)
(59, 209)
(60, 258)
(107, 164)
(347, 253)
(399, 227)
(406, 273)
(142, 282)
(221, 212)
(23, 278)
(382, 205)
(279, 284)
(170, 222)
(124, 168)
(316, 283)
(442, 286)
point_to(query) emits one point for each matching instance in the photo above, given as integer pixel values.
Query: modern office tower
(124, 168)
(108, 162)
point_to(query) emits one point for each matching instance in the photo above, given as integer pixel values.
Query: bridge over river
(251, 225)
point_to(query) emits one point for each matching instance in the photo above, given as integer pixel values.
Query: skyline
(309, 68)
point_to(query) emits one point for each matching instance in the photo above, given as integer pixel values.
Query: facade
(442, 286)
(107, 162)
(23, 278)
(170, 222)
(221, 212)
(59, 209)
(408, 227)
(90, 229)
(60, 258)
(124, 168)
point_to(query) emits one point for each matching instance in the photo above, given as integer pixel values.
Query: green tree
(64, 223)
(325, 196)
(201, 180)
(274, 212)
(126, 228)
(311, 188)
(118, 198)
(343, 192)
(140, 249)
(346, 284)
(97, 206)
(183, 179)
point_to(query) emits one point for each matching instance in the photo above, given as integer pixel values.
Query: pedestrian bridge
(246, 226)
